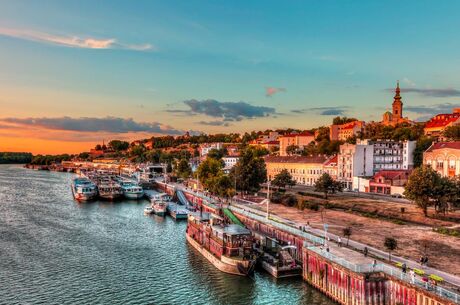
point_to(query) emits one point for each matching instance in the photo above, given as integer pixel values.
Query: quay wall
(342, 284)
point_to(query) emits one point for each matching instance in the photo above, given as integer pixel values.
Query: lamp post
(268, 196)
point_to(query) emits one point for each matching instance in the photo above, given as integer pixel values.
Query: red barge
(227, 247)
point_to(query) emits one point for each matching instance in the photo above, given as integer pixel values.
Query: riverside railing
(359, 268)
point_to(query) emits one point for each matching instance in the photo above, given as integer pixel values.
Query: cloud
(408, 82)
(214, 123)
(73, 41)
(446, 92)
(228, 111)
(86, 124)
(270, 91)
(339, 110)
(432, 109)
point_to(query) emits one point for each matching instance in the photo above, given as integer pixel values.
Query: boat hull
(83, 196)
(111, 197)
(161, 213)
(228, 267)
(133, 196)
(178, 216)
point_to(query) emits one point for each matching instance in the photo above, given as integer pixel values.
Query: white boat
(148, 210)
(132, 190)
(83, 189)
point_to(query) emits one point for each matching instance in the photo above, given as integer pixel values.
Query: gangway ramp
(232, 217)
(182, 199)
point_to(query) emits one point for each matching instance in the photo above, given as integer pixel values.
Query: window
(440, 165)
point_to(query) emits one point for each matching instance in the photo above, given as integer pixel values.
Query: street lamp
(268, 196)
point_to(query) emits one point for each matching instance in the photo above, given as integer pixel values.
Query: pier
(343, 274)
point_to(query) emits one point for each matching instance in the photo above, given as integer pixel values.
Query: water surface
(56, 251)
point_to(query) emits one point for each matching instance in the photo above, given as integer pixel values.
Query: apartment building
(297, 139)
(444, 157)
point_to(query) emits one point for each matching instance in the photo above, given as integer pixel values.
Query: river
(54, 250)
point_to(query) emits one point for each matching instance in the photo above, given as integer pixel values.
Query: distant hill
(15, 157)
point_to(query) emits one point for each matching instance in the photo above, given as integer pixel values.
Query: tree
(422, 144)
(250, 171)
(221, 185)
(452, 133)
(215, 153)
(342, 120)
(118, 145)
(292, 150)
(98, 147)
(282, 179)
(208, 170)
(183, 169)
(421, 187)
(325, 184)
(391, 244)
(347, 233)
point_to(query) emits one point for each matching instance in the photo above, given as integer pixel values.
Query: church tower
(397, 105)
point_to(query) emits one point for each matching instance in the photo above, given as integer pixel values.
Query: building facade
(392, 155)
(205, 148)
(346, 131)
(305, 170)
(436, 125)
(388, 182)
(354, 160)
(444, 157)
(229, 163)
(298, 139)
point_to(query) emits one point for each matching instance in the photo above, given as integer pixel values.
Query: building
(229, 163)
(388, 182)
(354, 161)
(345, 131)
(396, 116)
(304, 170)
(392, 155)
(296, 139)
(444, 157)
(232, 150)
(330, 167)
(205, 148)
(436, 125)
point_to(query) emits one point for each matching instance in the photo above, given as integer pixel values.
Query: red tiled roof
(442, 120)
(295, 159)
(349, 125)
(272, 142)
(332, 160)
(441, 145)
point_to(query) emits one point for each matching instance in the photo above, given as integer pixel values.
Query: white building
(205, 148)
(354, 160)
(392, 155)
(230, 162)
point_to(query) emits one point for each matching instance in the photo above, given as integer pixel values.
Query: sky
(76, 73)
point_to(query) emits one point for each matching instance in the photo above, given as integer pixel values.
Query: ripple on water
(55, 251)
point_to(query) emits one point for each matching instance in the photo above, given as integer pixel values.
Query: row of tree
(15, 157)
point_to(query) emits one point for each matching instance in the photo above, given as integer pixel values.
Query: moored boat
(148, 210)
(227, 247)
(176, 211)
(132, 190)
(110, 191)
(83, 189)
(160, 207)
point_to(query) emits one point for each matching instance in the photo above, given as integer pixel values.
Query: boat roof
(201, 216)
(231, 229)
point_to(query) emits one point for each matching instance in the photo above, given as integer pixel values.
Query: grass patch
(447, 231)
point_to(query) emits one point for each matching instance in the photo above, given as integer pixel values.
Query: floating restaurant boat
(177, 211)
(160, 207)
(227, 247)
(83, 189)
(111, 191)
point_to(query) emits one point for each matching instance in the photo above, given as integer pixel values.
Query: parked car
(396, 195)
